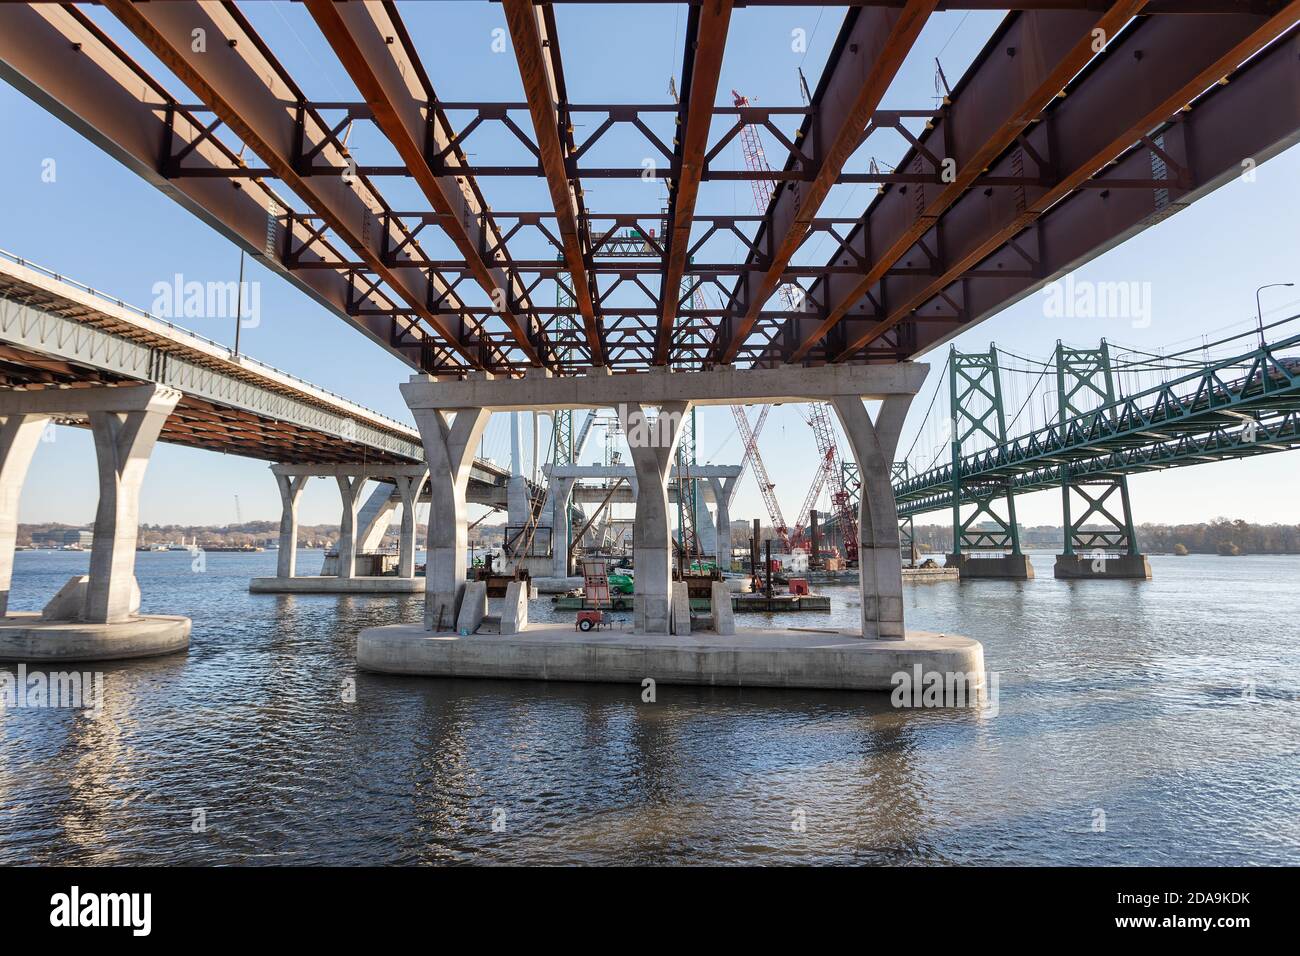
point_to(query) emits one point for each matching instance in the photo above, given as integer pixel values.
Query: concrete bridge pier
(722, 488)
(94, 616)
(561, 491)
(408, 488)
(661, 644)
(1015, 566)
(450, 438)
(350, 487)
(361, 529)
(291, 489)
(880, 562)
(653, 444)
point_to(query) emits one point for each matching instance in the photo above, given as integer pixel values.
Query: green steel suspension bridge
(1203, 410)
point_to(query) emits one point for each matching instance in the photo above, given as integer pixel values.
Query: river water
(1135, 723)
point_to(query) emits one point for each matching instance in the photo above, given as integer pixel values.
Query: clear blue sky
(101, 224)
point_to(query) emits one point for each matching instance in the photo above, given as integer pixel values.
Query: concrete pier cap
(451, 414)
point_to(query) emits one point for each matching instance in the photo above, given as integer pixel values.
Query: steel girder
(67, 64)
(994, 104)
(372, 44)
(1115, 154)
(994, 246)
(706, 38)
(239, 79)
(869, 52)
(532, 31)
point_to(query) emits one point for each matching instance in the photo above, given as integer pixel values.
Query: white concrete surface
(19, 436)
(681, 608)
(473, 608)
(726, 385)
(722, 609)
(806, 659)
(291, 489)
(69, 602)
(514, 608)
(651, 544)
(25, 637)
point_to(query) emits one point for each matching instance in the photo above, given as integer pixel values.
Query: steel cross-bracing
(1079, 123)
(1236, 407)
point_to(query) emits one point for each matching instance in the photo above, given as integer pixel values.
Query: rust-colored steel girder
(534, 44)
(1262, 7)
(1144, 79)
(706, 40)
(1007, 95)
(1199, 151)
(878, 42)
(63, 61)
(373, 46)
(237, 77)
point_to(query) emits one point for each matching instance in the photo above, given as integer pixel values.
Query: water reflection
(1127, 697)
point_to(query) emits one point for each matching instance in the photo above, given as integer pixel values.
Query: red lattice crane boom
(831, 470)
(765, 486)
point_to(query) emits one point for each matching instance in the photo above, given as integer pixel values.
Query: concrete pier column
(653, 445)
(375, 516)
(560, 491)
(123, 442)
(880, 565)
(408, 488)
(517, 504)
(722, 488)
(19, 435)
(450, 438)
(350, 492)
(291, 489)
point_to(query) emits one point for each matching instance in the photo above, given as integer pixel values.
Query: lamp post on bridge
(1259, 311)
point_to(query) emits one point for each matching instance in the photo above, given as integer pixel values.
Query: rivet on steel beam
(1011, 51)
(233, 42)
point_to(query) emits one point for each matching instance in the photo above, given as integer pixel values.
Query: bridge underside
(1078, 125)
(194, 423)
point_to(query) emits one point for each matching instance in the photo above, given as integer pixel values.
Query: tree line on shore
(1221, 536)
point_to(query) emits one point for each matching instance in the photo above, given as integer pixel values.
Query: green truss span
(1234, 408)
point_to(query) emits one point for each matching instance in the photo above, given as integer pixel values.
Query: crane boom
(831, 470)
(765, 486)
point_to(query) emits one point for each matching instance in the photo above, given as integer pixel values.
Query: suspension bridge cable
(925, 418)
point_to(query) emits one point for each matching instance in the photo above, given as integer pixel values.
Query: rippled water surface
(1169, 706)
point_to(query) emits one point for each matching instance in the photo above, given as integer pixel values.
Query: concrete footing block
(832, 660)
(473, 608)
(514, 608)
(681, 608)
(1080, 567)
(70, 601)
(1013, 567)
(25, 637)
(724, 615)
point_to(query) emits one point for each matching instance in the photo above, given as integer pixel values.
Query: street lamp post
(1259, 311)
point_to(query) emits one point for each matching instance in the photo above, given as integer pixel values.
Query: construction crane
(831, 471)
(750, 452)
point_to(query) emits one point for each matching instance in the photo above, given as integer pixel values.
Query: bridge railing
(1204, 391)
(190, 333)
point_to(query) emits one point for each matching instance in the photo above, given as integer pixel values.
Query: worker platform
(819, 659)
